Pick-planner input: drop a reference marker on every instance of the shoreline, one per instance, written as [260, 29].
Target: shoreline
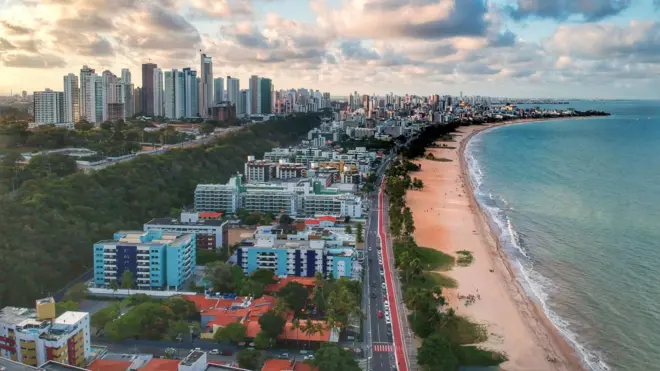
[516, 324]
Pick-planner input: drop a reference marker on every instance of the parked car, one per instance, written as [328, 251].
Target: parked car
[214, 351]
[380, 314]
[226, 352]
[284, 356]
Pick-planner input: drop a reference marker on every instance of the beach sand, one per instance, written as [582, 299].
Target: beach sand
[448, 219]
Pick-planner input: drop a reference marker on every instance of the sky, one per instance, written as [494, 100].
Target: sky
[508, 48]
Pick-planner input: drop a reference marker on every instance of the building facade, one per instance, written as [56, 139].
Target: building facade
[265, 87]
[205, 86]
[71, 98]
[218, 197]
[219, 90]
[148, 89]
[233, 91]
[49, 107]
[35, 336]
[87, 98]
[210, 231]
[156, 259]
[223, 111]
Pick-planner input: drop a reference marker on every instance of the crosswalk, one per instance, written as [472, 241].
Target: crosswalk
[383, 348]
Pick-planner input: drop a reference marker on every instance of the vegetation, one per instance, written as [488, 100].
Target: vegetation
[250, 359]
[359, 233]
[465, 258]
[430, 156]
[330, 357]
[49, 225]
[446, 337]
[233, 332]
[295, 295]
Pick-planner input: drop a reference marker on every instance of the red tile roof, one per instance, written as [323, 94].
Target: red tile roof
[327, 218]
[312, 221]
[276, 287]
[210, 214]
[108, 365]
[277, 365]
[299, 334]
[299, 366]
[157, 364]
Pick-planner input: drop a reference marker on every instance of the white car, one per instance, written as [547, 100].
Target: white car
[214, 351]
[387, 320]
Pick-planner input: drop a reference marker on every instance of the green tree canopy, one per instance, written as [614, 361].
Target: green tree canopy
[285, 219]
[147, 321]
[65, 306]
[127, 281]
[263, 340]
[436, 354]
[250, 359]
[272, 324]
[295, 295]
[224, 277]
[233, 332]
[77, 292]
[104, 316]
[264, 276]
[332, 358]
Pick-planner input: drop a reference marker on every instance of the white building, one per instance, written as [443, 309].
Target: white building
[158, 92]
[233, 91]
[71, 98]
[35, 336]
[210, 233]
[218, 197]
[218, 90]
[170, 94]
[87, 98]
[49, 107]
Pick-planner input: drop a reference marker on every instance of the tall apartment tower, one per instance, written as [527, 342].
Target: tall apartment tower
[205, 86]
[179, 94]
[137, 101]
[253, 86]
[71, 98]
[190, 93]
[174, 96]
[127, 93]
[148, 88]
[218, 90]
[265, 96]
[48, 107]
[233, 91]
[87, 97]
[158, 92]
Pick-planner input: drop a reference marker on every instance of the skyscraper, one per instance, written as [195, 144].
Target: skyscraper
[71, 98]
[99, 98]
[205, 86]
[87, 97]
[190, 93]
[266, 96]
[137, 101]
[179, 95]
[127, 92]
[158, 92]
[233, 91]
[170, 94]
[49, 107]
[242, 102]
[253, 86]
[218, 90]
[148, 88]
[109, 92]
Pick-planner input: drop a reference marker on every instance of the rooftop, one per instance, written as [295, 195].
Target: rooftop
[9, 365]
[192, 358]
[55, 366]
[109, 365]
[201, 222]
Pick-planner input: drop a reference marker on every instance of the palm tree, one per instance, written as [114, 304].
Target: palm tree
[295, 326]
[310, 329]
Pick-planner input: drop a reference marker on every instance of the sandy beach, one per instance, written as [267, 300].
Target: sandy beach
[447, 218]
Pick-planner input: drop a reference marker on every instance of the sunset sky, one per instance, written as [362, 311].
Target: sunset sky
[539, 48]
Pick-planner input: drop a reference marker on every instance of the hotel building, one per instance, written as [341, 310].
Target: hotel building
[35, 336]
[157, 259]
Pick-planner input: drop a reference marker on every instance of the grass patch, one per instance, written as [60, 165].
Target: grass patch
[434, 260]
[465, 258]
[430, 156]
[429, 280]
[470, 355]
[460, 330]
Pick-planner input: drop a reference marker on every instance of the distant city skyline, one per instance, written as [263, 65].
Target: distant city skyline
[550, 48]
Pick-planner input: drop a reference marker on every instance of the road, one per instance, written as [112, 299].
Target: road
[378, 334]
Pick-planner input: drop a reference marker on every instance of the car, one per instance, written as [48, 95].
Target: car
[283, 356]
[384, 285]
[226, 352]
[214, 351]
[380, 314]
[387, 320]
[309, 357]
[373, 295]
[198, 349]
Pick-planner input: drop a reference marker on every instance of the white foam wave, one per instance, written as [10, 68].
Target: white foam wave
[537, 286]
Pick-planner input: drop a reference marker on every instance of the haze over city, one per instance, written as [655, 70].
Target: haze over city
[549, 48]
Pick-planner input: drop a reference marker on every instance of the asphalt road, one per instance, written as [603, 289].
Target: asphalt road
[378, 336]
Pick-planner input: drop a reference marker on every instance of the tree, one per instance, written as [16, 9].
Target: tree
[332, 358]
[309, 328]
[136, 299]
[206, 128]
[264, 276]
[183, 329]
[223, 276]
[77, 292]
[250, 359]
[272, 324]
[148, 321]
[251, 287]
[127, 280]
[180, 308]
[296, 326]
[114, 285]
[285, 219]
[83, 125]
[65, 306]
[295, 295]
[233, 332]
[104, 316]
[408, 221]
[436, 354]
[359, 232]
[263, 340]
[348, 229]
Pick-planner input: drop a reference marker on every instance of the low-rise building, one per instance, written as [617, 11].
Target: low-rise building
[156, 259]
[35, 336]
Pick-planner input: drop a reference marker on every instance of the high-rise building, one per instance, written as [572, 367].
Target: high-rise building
[170, 94]
[148, 88]
[87, 98]
[126, 76]
[48, 107]
[218, 90]
[99, 99]
[71, 98]
[109, 92]
[195, 97]
[242, 102]
[158, 92]
[233, 92]
[266, 98]
[137, 101]
[190, 93]
[127, 92]
[205, 86]
[179, 95]
[253, 86]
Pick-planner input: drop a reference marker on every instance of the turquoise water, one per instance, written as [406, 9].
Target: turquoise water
[577, 206]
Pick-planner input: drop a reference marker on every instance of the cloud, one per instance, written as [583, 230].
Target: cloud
[588, 10]
[156, 28]
[220, 9]
[353, 49]
[22, 60]
[13, 29]
[424, 19]
[639, 40]
[87, 22]
[6, 45]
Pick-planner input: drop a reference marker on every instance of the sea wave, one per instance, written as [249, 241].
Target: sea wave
[537, 287]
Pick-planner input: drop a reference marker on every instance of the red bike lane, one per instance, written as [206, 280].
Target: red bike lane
[391, 293]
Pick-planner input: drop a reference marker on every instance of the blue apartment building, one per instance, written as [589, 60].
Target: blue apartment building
[158, 260]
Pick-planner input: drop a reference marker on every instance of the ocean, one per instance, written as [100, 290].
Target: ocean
[576, 204]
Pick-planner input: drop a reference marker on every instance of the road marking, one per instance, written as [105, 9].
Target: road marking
[383, 348]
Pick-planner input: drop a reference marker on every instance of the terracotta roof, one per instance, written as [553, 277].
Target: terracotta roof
[276, 287]
[277, 365]
[157, 364]
[299, 366]
[299, 334]
[108, 365]
[312, 221]
[221, 313]
[209, 214]
[327, 218]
